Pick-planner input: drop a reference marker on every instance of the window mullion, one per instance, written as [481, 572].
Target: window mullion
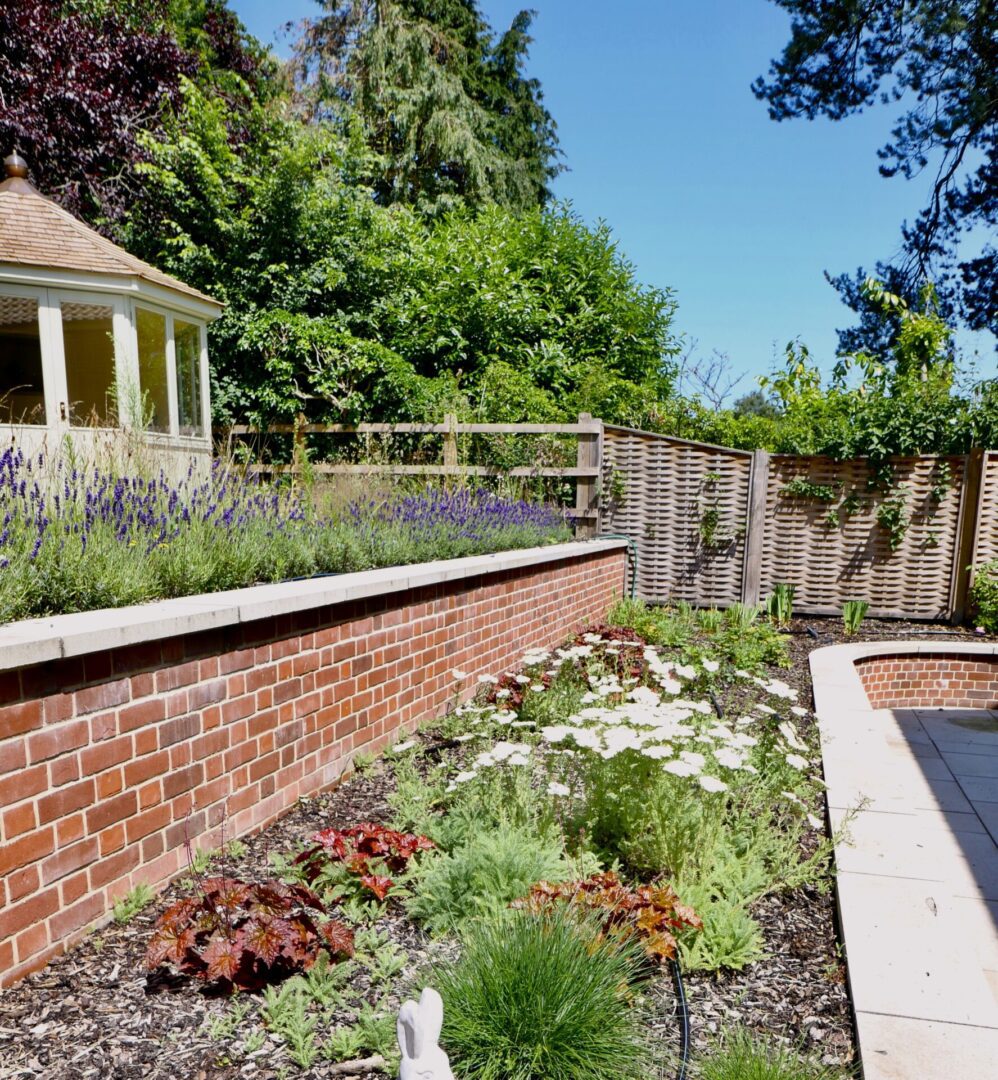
[171, 378]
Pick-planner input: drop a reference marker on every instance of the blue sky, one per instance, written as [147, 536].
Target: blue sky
[665, 141]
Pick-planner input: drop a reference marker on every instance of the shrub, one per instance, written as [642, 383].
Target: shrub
[984, 595]
[647, 914]
[359, 853]
[245, 935]
[483, 875]
[535, 998]
[76, 539]
[742, 1055]
[731, 938]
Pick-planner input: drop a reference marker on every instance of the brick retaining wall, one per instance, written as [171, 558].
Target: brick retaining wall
[110, 759]
[930, 679]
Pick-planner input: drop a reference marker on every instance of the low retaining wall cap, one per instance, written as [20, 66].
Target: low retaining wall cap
[34, 641]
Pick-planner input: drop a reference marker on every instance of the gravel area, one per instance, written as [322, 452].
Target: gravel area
[95, 1014]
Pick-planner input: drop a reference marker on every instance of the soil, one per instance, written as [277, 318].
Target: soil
[94, 1013]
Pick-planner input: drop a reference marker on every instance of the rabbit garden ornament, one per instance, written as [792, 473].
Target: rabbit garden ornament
[418, 1030]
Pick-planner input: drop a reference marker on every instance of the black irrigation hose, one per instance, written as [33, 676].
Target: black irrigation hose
[632, 545]
[684, 1020]
[717, 705]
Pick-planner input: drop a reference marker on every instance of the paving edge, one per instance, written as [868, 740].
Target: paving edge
[925, 1052]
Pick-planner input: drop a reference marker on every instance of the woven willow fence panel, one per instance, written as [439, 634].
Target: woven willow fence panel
[986, 545]
[685, 505]
[833, 548]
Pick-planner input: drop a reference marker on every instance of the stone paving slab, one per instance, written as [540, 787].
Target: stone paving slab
[900, 1048]
[913, 801]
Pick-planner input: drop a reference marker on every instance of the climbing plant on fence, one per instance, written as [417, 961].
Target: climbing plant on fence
[715, 525]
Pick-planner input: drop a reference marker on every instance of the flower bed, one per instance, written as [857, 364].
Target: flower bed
[78, 539]
[669, 752]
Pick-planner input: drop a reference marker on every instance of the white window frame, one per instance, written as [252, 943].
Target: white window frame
[173, 425]
[126, 363]
[173, 399]
[53, 381]
[202, 379]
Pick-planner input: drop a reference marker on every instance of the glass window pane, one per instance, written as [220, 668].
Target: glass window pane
[187, 338]
[22, 397]
[151, 330]
[88, 341]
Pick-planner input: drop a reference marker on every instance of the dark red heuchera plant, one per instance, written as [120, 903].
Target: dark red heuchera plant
[649, 913]
[245, 935]
[364, 850]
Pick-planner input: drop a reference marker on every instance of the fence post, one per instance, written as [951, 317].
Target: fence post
[450, 440]
[587, 487]
[755, 527]
[298, 449]
[970, 507]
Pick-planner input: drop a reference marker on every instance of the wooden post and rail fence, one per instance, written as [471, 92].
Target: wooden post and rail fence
[716, 526]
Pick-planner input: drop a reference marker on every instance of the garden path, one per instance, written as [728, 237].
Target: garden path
[917, 874]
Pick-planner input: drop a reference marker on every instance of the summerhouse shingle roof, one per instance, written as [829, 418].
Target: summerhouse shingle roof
[34, 231]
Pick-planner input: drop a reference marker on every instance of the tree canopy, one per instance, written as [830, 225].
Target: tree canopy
[346, 309]
[445, 104]
[936, 61]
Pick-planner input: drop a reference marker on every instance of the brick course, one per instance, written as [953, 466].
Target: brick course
[929, 680]
[109, 762]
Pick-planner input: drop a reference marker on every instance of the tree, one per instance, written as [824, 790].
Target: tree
[446, 107]
[756, 403]
[940, 58]
[76, 89]
[82, 81]
[349, 310]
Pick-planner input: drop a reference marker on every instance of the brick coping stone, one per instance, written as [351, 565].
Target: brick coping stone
[34, 641]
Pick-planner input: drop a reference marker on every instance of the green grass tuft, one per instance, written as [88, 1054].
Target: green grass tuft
[743, 1055]
[543, 999]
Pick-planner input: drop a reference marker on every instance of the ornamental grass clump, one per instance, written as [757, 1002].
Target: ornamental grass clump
[545, 998]
[75, 538]
[743, 1055]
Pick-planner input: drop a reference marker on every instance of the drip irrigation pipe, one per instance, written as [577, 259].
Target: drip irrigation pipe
[632, 545]
[717, 705]
[684, 1020]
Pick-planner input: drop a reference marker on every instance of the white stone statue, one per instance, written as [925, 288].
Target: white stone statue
[418, 1031]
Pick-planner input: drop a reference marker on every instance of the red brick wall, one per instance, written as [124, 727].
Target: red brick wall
[108, 761]
[930, 679]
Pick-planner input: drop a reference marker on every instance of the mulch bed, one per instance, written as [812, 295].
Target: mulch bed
[95, 1014]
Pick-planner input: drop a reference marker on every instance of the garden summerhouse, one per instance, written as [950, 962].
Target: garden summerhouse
[91, 338]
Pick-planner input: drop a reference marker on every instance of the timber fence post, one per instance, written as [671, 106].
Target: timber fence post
[755, 528]
[966, 536]
[450, 441]
[587, 487]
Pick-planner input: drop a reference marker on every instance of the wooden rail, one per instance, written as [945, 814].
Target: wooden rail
[586, 471]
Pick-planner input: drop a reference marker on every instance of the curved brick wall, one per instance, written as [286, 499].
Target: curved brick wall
[112, 753]
[930, 679]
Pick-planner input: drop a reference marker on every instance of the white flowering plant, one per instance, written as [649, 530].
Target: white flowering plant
[657, 761]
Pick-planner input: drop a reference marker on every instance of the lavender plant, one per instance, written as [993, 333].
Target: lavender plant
[75, 539]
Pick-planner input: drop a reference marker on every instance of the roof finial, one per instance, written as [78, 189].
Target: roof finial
[15, 165]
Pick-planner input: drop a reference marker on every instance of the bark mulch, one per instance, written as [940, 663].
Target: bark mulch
[95, 1014]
